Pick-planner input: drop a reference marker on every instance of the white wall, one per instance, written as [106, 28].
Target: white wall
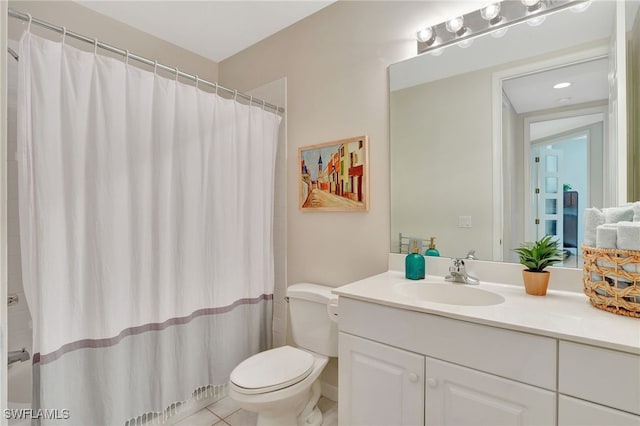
[336, 64]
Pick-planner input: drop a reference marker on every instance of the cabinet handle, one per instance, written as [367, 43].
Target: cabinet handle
[433, 383]
[413, 377]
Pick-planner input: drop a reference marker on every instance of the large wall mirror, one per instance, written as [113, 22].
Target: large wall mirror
[487, 154]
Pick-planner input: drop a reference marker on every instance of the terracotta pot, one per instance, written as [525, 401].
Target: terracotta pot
[536, 283]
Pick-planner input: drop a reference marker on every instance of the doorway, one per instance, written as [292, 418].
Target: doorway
[566, 174]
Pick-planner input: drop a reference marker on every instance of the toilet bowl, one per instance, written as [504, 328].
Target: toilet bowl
[281, 385]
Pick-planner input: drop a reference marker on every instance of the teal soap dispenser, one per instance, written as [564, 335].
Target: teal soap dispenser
[414, 264]
[432, 250]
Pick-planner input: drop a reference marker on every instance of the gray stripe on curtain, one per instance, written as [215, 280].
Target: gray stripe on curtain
[103, 343]
[84, 384]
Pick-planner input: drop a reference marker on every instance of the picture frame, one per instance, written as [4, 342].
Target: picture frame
[334, 176]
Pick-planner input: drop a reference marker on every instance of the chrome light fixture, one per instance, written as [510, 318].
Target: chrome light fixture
[494, 18]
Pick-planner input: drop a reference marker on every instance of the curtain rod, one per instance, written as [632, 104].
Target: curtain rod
[125, 53]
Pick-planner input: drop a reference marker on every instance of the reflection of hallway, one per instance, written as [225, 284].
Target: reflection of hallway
[319, 198]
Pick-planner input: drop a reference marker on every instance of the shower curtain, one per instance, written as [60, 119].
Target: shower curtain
[146, 233]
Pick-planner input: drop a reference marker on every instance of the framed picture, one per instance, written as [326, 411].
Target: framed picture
[334, 176]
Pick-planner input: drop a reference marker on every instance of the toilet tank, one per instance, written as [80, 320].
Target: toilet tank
[311, 325]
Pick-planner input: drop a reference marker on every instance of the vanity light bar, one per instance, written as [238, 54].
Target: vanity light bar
[474, 24]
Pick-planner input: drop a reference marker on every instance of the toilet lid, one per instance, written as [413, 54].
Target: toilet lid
[272, 370]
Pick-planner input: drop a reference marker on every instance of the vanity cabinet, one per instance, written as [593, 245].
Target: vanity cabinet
[399, 366]
[379, 384]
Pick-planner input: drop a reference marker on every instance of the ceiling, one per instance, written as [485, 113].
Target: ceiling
[534, 92]
[213, 29]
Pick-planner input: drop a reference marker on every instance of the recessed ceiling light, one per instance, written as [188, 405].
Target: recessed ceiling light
[562, 85]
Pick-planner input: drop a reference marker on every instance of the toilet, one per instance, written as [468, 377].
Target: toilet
[281, 385]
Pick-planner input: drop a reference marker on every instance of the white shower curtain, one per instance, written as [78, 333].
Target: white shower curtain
[146, 231]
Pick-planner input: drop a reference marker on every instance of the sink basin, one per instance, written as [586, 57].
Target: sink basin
[449, 294]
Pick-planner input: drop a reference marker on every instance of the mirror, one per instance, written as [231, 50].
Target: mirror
[467, 125]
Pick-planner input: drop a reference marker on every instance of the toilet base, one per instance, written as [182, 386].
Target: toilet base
[308, 415]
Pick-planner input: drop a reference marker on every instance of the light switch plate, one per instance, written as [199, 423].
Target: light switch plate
[464, 221]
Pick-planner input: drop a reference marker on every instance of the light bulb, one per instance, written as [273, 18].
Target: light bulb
[562, 85]
[425, 35]
[490, 12]
[454, 25]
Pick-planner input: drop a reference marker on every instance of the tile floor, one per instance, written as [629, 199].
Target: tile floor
[225, 412]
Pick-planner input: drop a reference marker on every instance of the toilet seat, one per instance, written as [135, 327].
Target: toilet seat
[272, 370]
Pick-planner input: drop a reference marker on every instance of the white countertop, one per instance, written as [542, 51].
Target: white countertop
[560, 314]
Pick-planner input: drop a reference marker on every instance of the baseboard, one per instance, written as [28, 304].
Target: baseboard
[329, 391]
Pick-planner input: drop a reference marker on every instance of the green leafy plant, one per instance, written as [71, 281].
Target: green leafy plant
[536, 256]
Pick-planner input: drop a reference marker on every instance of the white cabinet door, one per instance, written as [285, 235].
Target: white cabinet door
[461, 396]
[379, 384]
[576, 412]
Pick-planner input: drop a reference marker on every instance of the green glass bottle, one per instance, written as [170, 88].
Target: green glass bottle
[432, 250]
[414, 264]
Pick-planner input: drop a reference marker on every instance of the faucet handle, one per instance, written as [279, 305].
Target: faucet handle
[458, 264]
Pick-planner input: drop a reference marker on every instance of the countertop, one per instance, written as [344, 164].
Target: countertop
[559, 314]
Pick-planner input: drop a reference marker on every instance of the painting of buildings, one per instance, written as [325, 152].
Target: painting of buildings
[333, 176]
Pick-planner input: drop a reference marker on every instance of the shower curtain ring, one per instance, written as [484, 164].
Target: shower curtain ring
[155, 67]
[250, 100]
[197, 81]
[216, 85]
[64, 34]
[126, 57]
[95, 46]
[29, 25]
[177, 73]
[263, 104]
[235, 94]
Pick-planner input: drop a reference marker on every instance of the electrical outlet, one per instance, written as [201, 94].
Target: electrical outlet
[464, 221]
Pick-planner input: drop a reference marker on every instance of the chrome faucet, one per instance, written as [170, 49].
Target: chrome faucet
[16, 356]
[458, 273]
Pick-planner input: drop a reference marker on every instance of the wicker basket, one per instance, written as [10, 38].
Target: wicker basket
[611, 279]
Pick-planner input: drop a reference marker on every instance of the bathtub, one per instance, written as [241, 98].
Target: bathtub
[19, 389]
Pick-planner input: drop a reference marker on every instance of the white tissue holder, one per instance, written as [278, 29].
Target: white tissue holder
[611, 279]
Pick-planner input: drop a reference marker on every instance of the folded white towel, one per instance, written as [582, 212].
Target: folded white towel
[636, 211]
[592, 218]
[607, 235]
[618, 214]
[629, 235]
[629, 239]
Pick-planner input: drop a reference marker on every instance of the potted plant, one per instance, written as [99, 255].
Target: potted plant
[536, 257]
